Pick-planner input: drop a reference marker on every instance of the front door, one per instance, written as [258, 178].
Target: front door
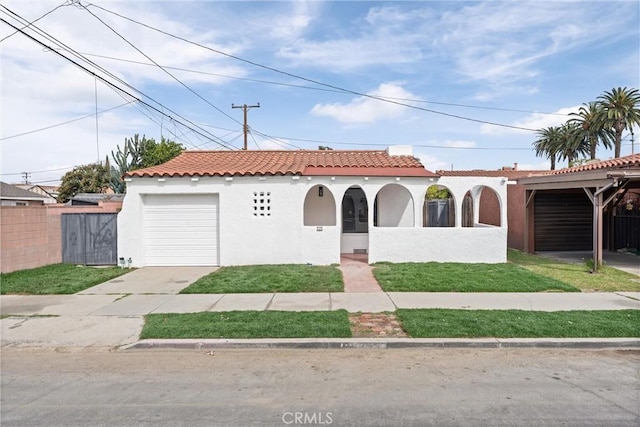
[355, 222]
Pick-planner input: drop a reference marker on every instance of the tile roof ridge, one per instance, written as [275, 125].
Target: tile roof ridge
[599, 164]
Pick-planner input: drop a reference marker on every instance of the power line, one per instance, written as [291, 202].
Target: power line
[275, 70]
[64, 47]
[423, 101]
[317, 141]
[34, 172]
[98, 67]
[63, 123]
[276, 140]
[155, 63]
[66, 3]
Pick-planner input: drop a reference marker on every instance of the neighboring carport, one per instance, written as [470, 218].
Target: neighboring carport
[574, 208]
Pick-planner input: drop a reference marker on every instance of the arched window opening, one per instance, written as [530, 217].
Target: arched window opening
[319, 207]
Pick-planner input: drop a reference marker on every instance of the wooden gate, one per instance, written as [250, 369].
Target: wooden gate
[90, 238]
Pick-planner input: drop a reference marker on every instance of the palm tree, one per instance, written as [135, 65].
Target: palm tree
[571, 144]
[620, 110]
[548, 144]
[589, 128]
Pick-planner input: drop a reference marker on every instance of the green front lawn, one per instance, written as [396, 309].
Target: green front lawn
[248, 324]
[457, 277]
[607, 279]
[56, 279]
[269, 278]
[445, 323]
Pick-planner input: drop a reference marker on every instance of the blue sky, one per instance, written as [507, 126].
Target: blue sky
[316, 69]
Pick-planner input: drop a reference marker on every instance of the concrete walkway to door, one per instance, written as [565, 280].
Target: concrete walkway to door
[357, 274]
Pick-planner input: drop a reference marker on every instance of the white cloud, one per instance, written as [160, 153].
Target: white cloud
[432, 163]
[277, 145]
[367, 110]
[504, 43]
[532, 121]
[543, 165]
[386, 36]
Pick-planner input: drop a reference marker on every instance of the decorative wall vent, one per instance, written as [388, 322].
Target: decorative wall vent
[262, 203]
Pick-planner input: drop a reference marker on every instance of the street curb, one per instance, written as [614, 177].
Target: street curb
[384, 343]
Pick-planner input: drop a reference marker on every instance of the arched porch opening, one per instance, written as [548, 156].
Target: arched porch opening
[393, 207]
[467, 210]
[355, 222]
[489, 209]
[439, 208]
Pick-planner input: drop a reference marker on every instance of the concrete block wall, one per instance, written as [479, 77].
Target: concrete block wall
[27, 236]
[31, 236]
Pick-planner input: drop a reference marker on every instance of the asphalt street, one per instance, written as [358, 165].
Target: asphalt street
[352, 387]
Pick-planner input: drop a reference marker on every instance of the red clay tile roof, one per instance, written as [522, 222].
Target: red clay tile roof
[303, 162]
[619, 163]
[510, 174]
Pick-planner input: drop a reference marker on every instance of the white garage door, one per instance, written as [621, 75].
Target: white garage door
[181, 229]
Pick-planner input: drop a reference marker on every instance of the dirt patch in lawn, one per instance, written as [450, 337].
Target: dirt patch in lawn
[375, 325]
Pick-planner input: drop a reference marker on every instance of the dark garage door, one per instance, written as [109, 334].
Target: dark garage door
[563, 221]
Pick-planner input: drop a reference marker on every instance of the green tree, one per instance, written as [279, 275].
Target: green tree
[435, 192]
[590, 129]
[154, 153]
[571, 143]
[91, 178]
[619, 111]
[137, 153]
[548, 144]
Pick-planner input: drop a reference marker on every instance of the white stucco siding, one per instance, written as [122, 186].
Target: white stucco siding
[244, 238]
[446, 244]
[261, 220]
[275, 238]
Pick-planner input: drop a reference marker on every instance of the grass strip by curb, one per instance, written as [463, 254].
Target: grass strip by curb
[248, 324]
[269, 278]
[458, 277]
[447, 323]
[56, 279]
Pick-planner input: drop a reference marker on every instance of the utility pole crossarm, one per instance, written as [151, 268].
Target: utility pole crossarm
[245, 108]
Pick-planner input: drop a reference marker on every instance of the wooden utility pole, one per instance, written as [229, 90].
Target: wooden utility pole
[245, 108]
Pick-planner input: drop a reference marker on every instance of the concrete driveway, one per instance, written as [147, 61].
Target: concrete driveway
[622, 261]
[93, 319]
[151, 280]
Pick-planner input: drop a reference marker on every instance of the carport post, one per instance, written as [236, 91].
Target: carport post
[596, 201]
[597, 232]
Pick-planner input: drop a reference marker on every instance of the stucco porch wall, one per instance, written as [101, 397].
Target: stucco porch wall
[480, 244]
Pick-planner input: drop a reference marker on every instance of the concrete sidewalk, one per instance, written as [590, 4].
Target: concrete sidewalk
[111, 321]
[142, 304]
[111, 315]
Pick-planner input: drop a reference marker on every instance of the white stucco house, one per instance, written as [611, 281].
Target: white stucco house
[285, 207]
